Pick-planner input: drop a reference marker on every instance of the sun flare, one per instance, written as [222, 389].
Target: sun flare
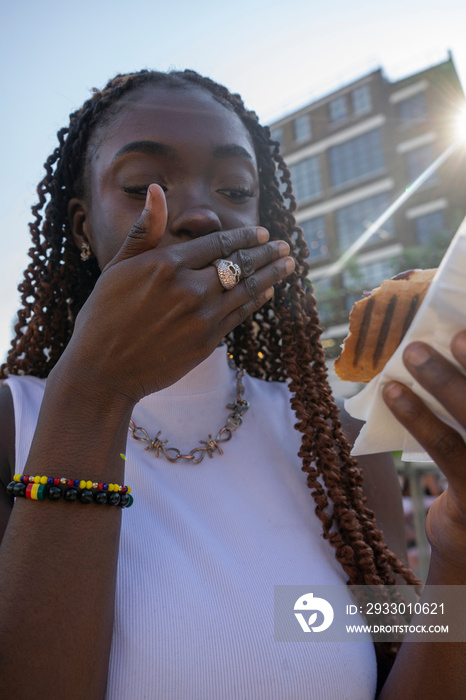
[461, 125]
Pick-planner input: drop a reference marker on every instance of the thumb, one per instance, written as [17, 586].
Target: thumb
[147, 231]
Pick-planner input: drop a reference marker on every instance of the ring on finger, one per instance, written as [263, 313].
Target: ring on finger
[228, 272]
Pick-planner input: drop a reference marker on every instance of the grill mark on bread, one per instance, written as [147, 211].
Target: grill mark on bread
[364, 341]
[366, 320]
[409, 316]
[384, 330]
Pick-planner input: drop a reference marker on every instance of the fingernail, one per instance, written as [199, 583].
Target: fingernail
[262, 235]
[392, 391]
[289, 265]
[148, 204]
[417, 354]
[269, 293]
[459, 345]
[283, 248]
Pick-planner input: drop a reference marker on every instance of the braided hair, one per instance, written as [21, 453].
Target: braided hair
[279, 342]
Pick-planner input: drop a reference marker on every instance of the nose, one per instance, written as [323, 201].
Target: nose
[195, 222]
[192, 216]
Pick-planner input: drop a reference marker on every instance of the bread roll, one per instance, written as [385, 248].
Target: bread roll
[378, 324]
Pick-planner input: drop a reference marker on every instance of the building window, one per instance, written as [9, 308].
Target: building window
[429, 225]
[302, 128]
[417, 160]
[338, 110]
[361, 97]
[413, 110]
[306, 179]
[356, 158]
[277, 135]
[353, 220]
[327, 298]
[367, 277]
[315, 236]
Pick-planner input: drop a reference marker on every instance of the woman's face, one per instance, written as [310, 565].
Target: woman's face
[185, 141]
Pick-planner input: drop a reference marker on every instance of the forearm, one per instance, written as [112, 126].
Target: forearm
[59, 559]
[436, 670]
[431, 670]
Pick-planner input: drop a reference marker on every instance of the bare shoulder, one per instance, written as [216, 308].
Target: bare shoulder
[7, 453]
[381, 487]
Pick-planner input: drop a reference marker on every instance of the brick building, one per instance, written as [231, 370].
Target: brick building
[351, 154]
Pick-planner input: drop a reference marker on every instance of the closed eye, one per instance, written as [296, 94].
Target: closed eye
[237, 194]
[140, 190]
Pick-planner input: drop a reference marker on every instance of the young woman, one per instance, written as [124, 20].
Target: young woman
[160, 234]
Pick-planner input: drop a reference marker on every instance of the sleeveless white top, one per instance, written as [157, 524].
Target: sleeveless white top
[203, 546]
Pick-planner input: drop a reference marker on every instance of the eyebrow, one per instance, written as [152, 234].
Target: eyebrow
[151, 148]
[156, 148]
[231, 150]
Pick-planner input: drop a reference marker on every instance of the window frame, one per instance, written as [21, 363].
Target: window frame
[300, 177]
[337, 115]
[367, 101]
[302, 129]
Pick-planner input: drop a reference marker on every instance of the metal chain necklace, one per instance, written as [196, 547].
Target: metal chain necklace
[233, 422]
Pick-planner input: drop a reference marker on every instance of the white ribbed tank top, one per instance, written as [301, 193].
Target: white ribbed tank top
[204, 545]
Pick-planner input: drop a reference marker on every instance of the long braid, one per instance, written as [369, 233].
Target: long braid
[280, 342]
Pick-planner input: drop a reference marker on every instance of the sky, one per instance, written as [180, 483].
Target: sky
[277, 55]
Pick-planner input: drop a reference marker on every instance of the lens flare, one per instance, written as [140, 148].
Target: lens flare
[461, 125]
[336, 267]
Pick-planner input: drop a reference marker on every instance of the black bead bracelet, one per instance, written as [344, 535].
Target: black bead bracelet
[39, 492]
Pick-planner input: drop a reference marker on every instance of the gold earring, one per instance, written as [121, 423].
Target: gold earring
[85, 251]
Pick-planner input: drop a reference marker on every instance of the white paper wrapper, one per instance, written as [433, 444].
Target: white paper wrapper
[441, 315]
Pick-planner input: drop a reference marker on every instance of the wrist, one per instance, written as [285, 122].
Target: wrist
[445, 571]
[446, 532]
[84, 387]
[81, 430]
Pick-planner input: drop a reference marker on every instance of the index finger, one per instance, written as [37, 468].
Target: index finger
[201, 251]
[445, 446]
[438, 376]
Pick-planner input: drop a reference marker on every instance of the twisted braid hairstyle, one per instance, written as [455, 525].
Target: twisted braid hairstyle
[279, 342]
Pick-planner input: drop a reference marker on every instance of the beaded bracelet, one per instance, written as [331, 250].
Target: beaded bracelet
[38, 488]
